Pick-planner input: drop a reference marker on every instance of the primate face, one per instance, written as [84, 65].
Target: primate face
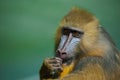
[68, 43]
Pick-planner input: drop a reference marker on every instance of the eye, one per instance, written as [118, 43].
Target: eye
[66, 31]
[76, 34]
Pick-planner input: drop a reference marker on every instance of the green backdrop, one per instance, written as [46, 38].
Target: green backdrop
[27, 29]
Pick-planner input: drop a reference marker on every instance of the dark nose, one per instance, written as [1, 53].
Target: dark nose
[61, 53]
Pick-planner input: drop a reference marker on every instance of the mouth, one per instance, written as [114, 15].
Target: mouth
[65, 60]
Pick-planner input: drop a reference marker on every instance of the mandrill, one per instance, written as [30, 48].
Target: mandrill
[83, 51]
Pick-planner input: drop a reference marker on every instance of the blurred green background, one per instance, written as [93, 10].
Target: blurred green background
[27, 29]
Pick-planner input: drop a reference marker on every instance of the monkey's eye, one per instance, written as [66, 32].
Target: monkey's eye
[76, 34]
[66, 31]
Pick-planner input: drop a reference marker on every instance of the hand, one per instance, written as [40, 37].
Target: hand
[52, 67]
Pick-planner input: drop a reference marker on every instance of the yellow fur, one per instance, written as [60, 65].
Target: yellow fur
[66, 70]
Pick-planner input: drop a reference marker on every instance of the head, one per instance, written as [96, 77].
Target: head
[76, 34]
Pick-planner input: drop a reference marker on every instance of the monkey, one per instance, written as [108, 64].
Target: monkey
[83, 50]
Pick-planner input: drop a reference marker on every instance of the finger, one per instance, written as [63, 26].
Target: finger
[57, 68]
[54, 62]
[55, 58]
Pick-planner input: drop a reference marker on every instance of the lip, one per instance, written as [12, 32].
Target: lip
[63, 57]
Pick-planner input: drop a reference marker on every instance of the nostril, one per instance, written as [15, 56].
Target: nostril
[61, 54]
[58, 52]
[64, 53]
